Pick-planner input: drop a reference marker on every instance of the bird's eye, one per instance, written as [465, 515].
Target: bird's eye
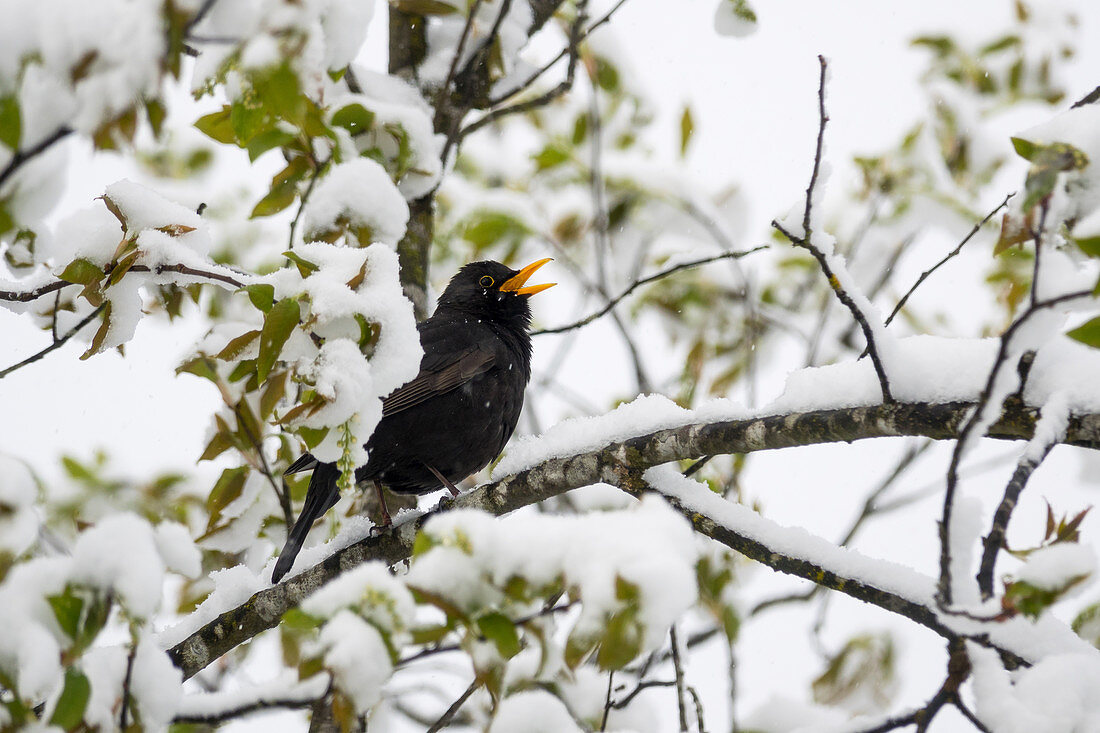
[486, 281]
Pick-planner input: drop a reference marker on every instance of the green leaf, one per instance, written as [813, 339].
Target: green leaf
[312, 436]
[262, 295]
[942, 45]
[485, 228]
[273, 393]
[296, 619]
[69, 711]
[155, 112]
[424, 7]
[101, 335]
[305, 267]
[278, 198]
[1087, 333]
[1087, 624]
[248, 119]
[228, 487]
[551, 156]
[217, 125]
[281, 93]
[1089, 245]
[687, 128]
[499, 629]
[355, 118]
[11, 123]
[278, 325]
[235, 346]
[1001, 44]
[67, 609]
[622, 642]
[264, 141]
[1025, 148]
[82, 272]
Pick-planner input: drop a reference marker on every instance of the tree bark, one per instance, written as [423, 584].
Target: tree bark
[621, 463]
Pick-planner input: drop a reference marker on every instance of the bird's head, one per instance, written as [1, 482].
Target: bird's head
[493, 291]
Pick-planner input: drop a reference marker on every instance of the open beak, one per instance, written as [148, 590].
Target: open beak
[515, 284]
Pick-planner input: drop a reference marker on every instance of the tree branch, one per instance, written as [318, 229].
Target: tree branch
[58, 342]
[645, 281]
[805, 240]
[22, 156]
[953, 253]
[973, 421]
[558, 475]
[994, 541]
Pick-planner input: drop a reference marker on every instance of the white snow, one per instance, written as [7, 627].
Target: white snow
[1055, 695]
[357, 657]
[18, 520]
[649, 545]
[372, 592]
[577, 435]
[232, 587]
[156, 684]
[144, 208]
[532, 711]
[284, 687]
[397, 104]
[175, 546]
[731, 18]
[358, 193]
[1056, 566]
[119, 555]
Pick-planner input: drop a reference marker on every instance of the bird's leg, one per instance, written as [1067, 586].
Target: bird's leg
[443, 480]
[386, 521]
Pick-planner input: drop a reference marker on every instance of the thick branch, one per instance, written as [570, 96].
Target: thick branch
[558, 475]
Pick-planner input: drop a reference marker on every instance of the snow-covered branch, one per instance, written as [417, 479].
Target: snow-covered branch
[621, 463]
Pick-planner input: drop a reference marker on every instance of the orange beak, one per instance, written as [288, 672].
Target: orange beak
[515, 284]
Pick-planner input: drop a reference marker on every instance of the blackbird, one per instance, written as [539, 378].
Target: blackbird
[456, 415]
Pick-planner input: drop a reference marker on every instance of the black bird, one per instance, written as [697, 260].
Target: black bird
[459, 411]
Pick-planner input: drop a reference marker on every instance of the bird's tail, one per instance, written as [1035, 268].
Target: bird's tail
[320, 497]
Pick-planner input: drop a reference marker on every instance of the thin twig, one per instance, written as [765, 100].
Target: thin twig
[57, 343]
[642, 686]
[449, 714]
[679, 670]
[698, 703]
[289, 703]
[645, 281]
[844, 297]
[198, 16]
[607, 700]
[823, 119]
[318, 167]
[994, 541]
[870, 508]
[22, 156]
[1090, 98]
[953, 253]
[1037, 235]
[29, 295]
[545, 98]
[944, 592]
[126, 681]
[562, 54]
[805, 241]
[441, 96]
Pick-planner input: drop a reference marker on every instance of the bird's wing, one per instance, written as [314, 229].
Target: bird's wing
[438, 376]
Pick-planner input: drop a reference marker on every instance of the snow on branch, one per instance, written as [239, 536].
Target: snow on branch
[832, 265]
[621, 463]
